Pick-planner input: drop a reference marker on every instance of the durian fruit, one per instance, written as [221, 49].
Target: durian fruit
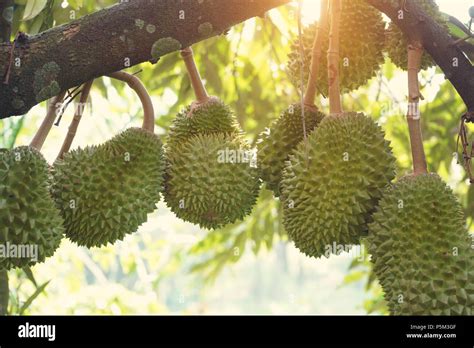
[362, 33]
[105, 192]
[421, 249]
[210, 181]
[28, 216]
[213, 116]
[210, 178]
[396, 42]
[331, 186]
[276, 144]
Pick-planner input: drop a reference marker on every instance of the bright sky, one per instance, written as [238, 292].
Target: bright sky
[456, 8]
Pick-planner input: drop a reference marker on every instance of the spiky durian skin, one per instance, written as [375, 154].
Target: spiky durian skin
[276, 144]
[330, 188]
[105, 192]
[362, 36]
[421, 249]
[212, 117]
[396, 42]
[28, 215]
[203, 188]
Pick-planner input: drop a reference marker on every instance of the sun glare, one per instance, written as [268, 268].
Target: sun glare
[311, 11]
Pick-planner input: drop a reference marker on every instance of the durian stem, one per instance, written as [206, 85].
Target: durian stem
[47, 124]
[134, 83]
[199, 90]
[311, 88]
[335, 105]
[86, 88]
[415, 52]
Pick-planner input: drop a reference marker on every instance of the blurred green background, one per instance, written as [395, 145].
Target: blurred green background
[173, 267]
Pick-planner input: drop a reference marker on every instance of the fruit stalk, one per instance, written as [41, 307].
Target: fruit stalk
[47, 123]
[134, 83]
[335, 106]
[311, 88]
[86, 88]
[199, 90]
[415, 52]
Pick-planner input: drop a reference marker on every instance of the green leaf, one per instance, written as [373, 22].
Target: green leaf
[4, 293]
[33, 8]
[76, 4]
[29, 275]
[30, 300]
[37, 24]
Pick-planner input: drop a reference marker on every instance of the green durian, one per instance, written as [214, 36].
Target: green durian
[204, 187]
[396, 42]
[362, 32]
[276, 144]
[330, 188]
[28, 216]
[421, 249]
[214, 116]
[105, 192]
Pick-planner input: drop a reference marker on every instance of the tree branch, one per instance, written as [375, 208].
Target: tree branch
[418, 26]
[106, 41]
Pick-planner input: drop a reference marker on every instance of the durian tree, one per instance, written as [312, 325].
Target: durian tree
[321, 198]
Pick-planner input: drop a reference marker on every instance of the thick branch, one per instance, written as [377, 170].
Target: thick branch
[419, 26]
[108, 40]
[4, 292]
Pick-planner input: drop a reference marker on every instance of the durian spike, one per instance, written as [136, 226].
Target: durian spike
[415, 52]
[199, 90]
[134, 83]
[335, 106]
[86, 88]
[311, 88]
[47, 124]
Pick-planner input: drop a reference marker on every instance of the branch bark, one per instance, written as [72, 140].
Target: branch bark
[107, 40]
[418, 26]
[4, 292]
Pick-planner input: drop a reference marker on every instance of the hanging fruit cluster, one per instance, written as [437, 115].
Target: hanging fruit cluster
[333, 174]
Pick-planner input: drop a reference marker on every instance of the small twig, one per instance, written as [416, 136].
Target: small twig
[134, 83]
[76, 120]
[68, 100]
[137, 72]
[335, 105]
[47, 123]
[6, 81]
[461, 40]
